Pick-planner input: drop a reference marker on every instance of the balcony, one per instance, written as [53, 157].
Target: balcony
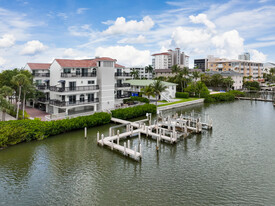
[42, 87]
[59, 103]
[44, 100]
[69, 75]
[122, 96]
[122, 85]
[41, 74]
[121, 74]
[74, 89]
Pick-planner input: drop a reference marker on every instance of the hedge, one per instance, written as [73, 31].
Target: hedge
[219, 97]
[138, 99]
[237, 93]
[13, 132]
[133, 112]
[182, 95]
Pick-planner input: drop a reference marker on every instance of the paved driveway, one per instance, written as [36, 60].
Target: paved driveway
[36, 113]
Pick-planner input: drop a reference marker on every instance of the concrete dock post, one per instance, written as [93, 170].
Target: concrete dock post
[157, 147]
[132, 129]
[128, 144]
[97, 136]
[135, 152]
[147, 131]
[139, 135]
[117, 137]
[110, 131]
[102, 139]
[124, 151]
[85, 132]
[140, 150]
[112, 145]
[171, 137]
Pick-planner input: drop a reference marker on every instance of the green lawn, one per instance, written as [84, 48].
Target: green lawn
[180, 101]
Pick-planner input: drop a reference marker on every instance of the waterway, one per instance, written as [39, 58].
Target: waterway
[234, 164]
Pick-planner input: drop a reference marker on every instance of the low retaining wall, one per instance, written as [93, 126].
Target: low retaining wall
[180, 104]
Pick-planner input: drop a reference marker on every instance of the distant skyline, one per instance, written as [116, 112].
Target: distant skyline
[130, 31]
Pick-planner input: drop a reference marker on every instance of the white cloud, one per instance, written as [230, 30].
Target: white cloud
[228, 44]
[121, 26]
[7, 40]
[202, 19]
[2, 61]
[63, 15]
[33, 47]
[257, 56]
[136, 40]
[81, 10]
[69, 53]
[126, 55]
[188, 38]
[84, 30]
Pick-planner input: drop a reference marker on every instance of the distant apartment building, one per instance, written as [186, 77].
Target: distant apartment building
[236, 77]
[142, 72]
[201, 64]
[77, 86]
[268, 66]
[163, 62]
[244, 56]
[244, 67]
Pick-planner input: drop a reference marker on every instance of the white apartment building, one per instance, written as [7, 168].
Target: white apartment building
[163, 62]
[236, 77]
[77, 86]
[41, 77]
[142, 72]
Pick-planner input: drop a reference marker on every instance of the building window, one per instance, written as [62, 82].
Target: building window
[67, 71]
[82, 98]
[91, 82]
[77, 71]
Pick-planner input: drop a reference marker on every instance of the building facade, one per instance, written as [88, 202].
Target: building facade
[236, 77]
[244, 56]
[142, 72]
[78, 86]
[165, 60]
[244, 67]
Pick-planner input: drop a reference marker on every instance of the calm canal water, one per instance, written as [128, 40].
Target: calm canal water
[234, 164]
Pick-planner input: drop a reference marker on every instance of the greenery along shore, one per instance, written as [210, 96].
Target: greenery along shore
[17, 131]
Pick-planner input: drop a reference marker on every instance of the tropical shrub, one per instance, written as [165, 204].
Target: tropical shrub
[221, 97]
[138, 99]
[236, 93]
[182, 95]
[133, 112]
[13, 132]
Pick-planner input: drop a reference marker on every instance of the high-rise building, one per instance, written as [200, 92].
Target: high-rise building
[244, 56]
[163, 62]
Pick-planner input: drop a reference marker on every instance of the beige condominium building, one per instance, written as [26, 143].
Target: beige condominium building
[244, 67]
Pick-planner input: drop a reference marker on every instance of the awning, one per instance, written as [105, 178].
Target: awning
[61, 81]
[47, 80]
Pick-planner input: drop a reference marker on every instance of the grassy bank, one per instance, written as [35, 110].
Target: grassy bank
[181, 100]
[17, 131]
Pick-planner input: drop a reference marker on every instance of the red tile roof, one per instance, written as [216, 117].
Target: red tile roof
[84, 63]
[34, 66]
[119, 66]
[105, 59]
[164, 53]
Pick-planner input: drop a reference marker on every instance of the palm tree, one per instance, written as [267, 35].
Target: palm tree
[228, 82]
[4, 104]
[158, 88]
[196, 75]
[27, 88]
[19, 80]
[6, 91]
[176, 68]
[148, 91]
[134, 73]
[272, 71]
[149, 69]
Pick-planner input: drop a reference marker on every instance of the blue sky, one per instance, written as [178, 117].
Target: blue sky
[130, 31]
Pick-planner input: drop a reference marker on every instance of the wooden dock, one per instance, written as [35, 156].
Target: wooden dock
[255, 99]
[168, 129]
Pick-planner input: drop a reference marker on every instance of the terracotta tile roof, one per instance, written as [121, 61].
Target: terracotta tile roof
[164, 53]
[119, 66]
[34, 66]
[85, 63]
[105, 59]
